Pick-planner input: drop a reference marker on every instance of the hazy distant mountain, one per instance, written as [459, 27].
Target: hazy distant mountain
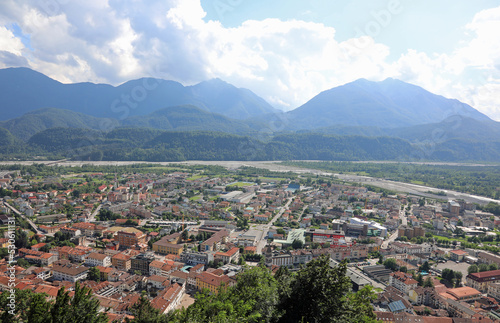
[24, 90]
[179, 118]
[387, 104]
[188, 118]
[223, 98]
[35, 121]
[456, 127]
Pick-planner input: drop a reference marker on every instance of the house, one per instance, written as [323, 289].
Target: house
[231, 255]
[158, 282]
[37, 246]
[166, 248]
[214, 242]
[130, 239]
[73, 232]
[458, 255]
[70, 272]
[206, 280]
[155, 267]
[168, 299]
[121, 261]
[98, 259]
[105, 272]
[402, 281]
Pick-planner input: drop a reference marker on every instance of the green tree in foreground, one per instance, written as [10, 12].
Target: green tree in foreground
[318, 292]
[143, 311]
[33, 307]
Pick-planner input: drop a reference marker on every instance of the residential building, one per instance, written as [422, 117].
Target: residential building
[480, 281]
[69, 272]
[195, 258]
[231, 255]
[141, 262]
[402, 281]
[121, 261]
[130, 239]
[214, 242]
[212, 282]
[167, 248]
[458, 255]
[98, 259]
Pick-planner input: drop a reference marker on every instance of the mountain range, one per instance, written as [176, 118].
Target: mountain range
[37, 110]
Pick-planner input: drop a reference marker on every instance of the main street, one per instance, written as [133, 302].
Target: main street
[264, 228]
[33, 225]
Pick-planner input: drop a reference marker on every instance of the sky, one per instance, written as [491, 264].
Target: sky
[286, 51]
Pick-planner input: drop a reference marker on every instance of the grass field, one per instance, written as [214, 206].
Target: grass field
[241, 184]
[195, 177]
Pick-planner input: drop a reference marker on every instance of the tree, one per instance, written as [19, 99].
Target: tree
[81, 308]
[493, 267]
[23, 263]
[473, 269]
[94, 274]
[425, 267]
[185, 235]
[403, 269]
[310, 296]
[391, 264]
[458, 278]
[448, 274]
[428, 282]
[420, 280]
[483, 267]
[297, 244]
[143, 311]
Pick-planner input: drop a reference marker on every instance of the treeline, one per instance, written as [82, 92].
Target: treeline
[478, 180]
[144, 144]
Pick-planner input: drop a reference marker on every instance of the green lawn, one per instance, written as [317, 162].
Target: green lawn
[195, 198]
[195, 177]
[241, 184]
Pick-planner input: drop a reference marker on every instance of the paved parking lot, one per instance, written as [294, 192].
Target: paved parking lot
[462, 266]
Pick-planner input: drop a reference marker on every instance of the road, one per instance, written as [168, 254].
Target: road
[92, 216]
[33, 225]
[264, 228]
[394, 235]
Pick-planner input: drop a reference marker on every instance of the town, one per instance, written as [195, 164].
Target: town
[171, 232]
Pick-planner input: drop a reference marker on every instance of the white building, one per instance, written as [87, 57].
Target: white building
[70, 272]
[371, 225]
[98, 259]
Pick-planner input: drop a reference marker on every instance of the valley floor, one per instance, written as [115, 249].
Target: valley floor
[414, 189]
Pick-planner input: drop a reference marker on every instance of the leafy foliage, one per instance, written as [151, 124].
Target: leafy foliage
[33, 307]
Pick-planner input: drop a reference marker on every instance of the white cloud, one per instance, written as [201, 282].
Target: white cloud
[9, 42]
[286, 62]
